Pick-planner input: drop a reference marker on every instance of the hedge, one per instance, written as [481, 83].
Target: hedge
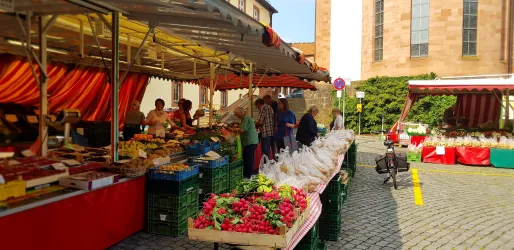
[385, 96]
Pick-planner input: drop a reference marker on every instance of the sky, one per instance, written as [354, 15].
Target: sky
[295, 20]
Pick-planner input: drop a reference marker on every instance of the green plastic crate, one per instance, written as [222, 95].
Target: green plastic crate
[171, 201]
[312, 236]
[213, 173]
[502, 158]
[173, 187]
[307, 246]
[172, 215]
[330, 226]
[167, 228]
[235, 164]
[413, 157]
[216, 186]
[322, 246]
[234, 181]
[334, 186]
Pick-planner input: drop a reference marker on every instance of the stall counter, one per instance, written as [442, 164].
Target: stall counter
[79, 219]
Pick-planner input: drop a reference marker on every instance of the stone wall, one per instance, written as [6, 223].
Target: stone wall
[445, 40]
[322, 98]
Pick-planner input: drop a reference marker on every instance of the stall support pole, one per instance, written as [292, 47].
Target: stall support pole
[115, 85]
[43, 87]
[250, 91]
[211, 92]
[344, 107]
[507, 107]
[360, 101]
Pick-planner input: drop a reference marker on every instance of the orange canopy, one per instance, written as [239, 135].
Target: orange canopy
[233, 81]
[83, 88]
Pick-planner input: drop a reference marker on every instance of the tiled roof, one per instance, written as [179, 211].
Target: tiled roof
[307, 48]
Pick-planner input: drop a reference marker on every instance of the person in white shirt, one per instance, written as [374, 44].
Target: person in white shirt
[156, 119]
[337, 124]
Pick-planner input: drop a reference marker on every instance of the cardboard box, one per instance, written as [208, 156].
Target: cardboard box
[89, 180]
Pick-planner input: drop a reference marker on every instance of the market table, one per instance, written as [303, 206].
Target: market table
[430, 155]
[77, 219]
[473, 156]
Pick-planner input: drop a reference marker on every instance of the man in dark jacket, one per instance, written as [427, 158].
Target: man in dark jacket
[308, 128]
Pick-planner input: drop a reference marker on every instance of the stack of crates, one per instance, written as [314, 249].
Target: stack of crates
[311, 240]
[170, 204]
[214, 175]
[332, 200]
[350, 159]
[236, 173]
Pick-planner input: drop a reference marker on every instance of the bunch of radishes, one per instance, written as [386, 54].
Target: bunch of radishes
[258, 213]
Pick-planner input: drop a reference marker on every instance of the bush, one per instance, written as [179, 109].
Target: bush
[385, 96]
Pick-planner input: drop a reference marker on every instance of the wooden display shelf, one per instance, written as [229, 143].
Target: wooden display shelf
[249, 240]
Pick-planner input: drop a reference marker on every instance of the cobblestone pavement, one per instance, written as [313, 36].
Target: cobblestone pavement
[464, 208]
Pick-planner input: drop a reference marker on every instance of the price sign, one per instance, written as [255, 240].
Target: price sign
[439, 150]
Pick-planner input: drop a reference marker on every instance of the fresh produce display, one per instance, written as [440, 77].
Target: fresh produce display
[29, 172]
[205, 135]
[259, 213]
[259, 184]
[139, 163]
[229, 149]
[169, 168]
[142, 137]
[469, 141]
[90, 176]
[420, 130]
[310, 166]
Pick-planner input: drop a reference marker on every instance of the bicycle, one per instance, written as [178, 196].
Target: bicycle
[389, 163]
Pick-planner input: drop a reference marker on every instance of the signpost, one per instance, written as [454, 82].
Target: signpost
[339, 85]
[360, 95]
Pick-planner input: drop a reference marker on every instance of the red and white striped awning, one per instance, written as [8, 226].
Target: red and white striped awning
[442, 87]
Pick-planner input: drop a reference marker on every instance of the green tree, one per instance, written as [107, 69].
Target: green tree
[385, 97]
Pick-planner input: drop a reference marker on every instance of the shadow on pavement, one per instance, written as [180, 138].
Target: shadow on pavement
[370, 220]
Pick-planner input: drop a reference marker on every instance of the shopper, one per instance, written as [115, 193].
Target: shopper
[266, 125]
[274, 106]
[285, 124]
[249, 140]
[184, 116]
[337, 123]
[156, 119]
[134, 120]
[308, 128]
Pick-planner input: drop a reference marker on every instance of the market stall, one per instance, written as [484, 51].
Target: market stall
[81, 76]
[293, 194]
[476, 128]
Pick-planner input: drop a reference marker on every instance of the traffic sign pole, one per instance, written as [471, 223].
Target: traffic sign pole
[344, 107]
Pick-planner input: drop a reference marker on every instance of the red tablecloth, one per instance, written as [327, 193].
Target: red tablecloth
[94, 220]
[417, 139]
[429, 156]
[473, 156]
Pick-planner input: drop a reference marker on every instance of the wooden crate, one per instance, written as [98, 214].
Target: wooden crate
[249, 239]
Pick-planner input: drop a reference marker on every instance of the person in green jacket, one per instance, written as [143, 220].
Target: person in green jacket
[249, 140]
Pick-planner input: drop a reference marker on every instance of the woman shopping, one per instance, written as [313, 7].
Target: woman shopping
[134, 119]
[183, 115]
[286, 121]
[156, 119]
[308, 128]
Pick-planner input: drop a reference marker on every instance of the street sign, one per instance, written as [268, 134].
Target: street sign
[359, 108]
[339, 83]
[347, 81]
[360, 94]
[339, 94]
